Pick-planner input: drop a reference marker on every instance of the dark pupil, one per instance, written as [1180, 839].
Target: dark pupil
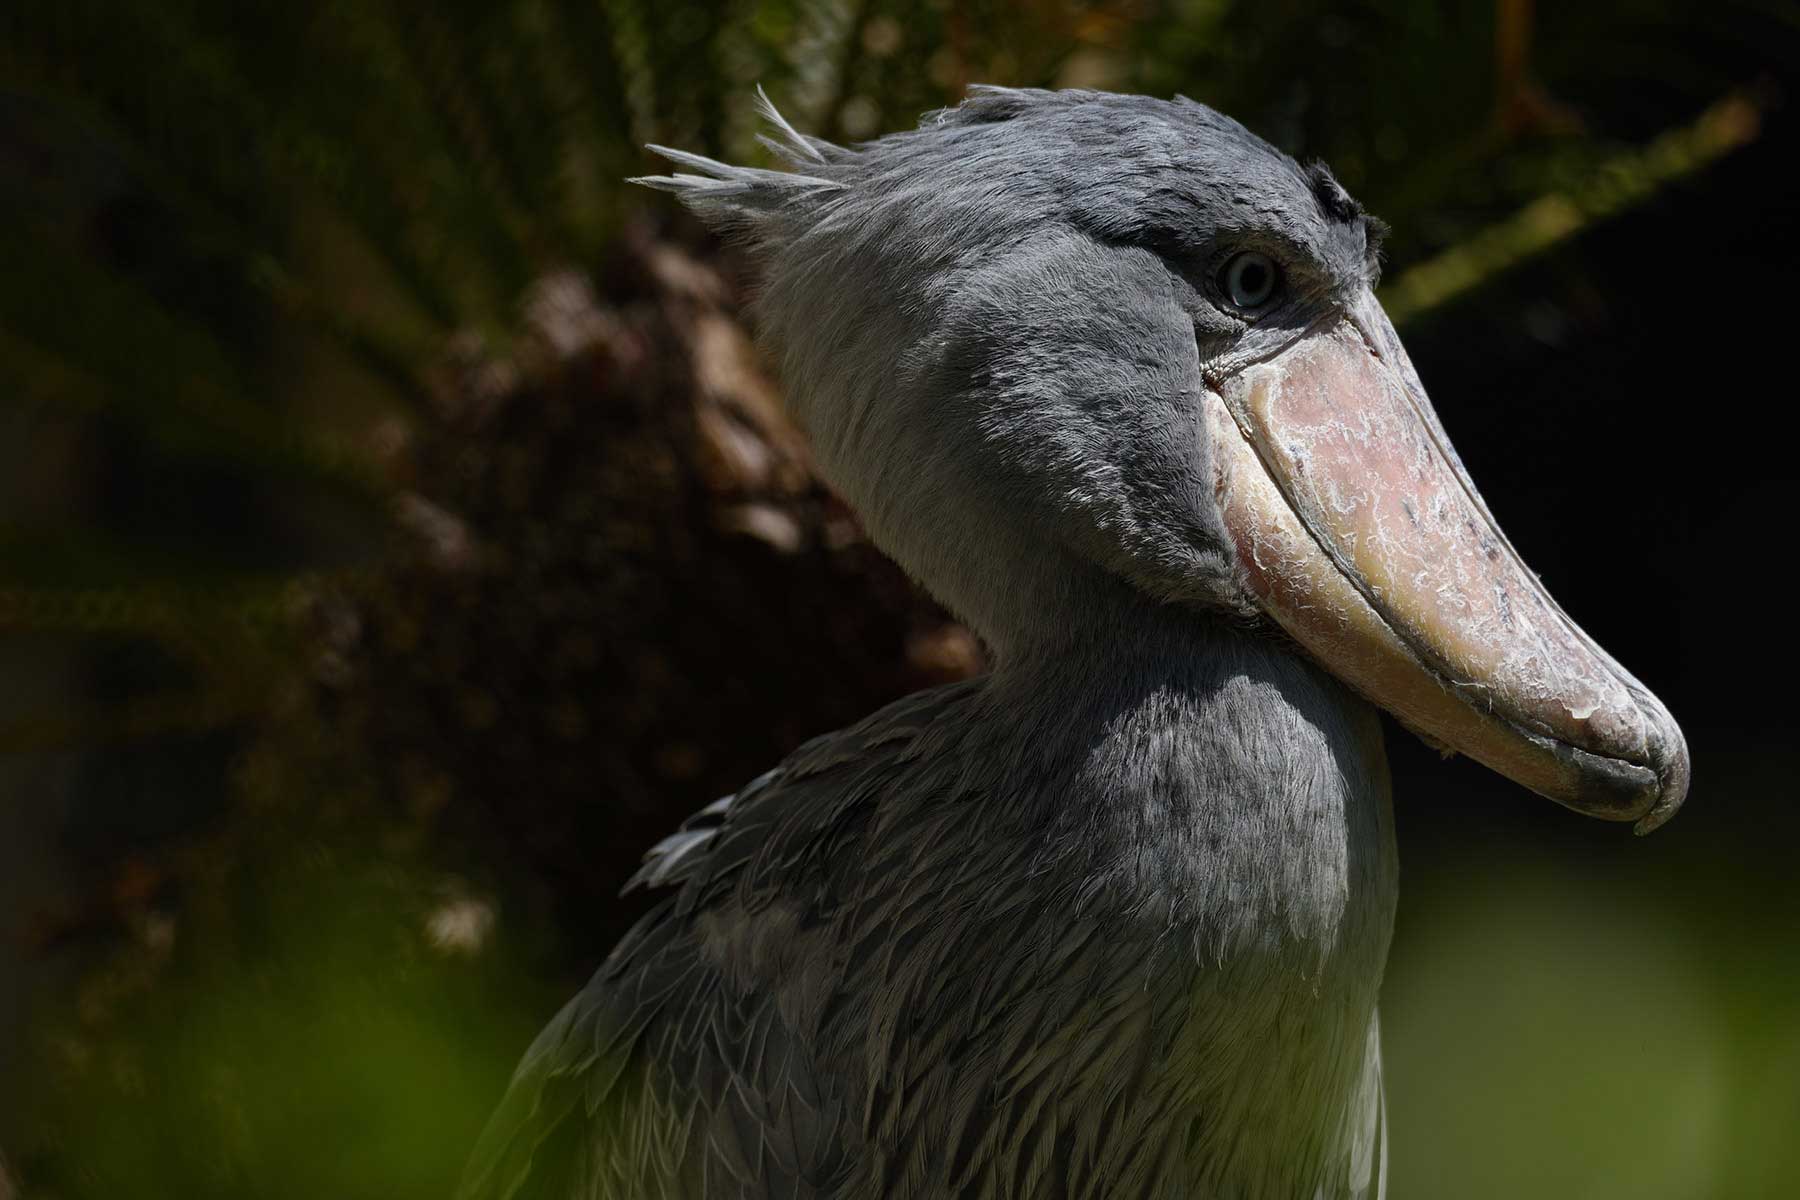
[1252, 277]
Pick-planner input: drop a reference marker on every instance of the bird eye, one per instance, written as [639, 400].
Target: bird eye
[1249, 279]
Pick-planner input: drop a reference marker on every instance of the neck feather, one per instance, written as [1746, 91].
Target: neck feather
[1207, 767]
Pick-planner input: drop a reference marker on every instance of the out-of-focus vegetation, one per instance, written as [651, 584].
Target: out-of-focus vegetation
[397, 534]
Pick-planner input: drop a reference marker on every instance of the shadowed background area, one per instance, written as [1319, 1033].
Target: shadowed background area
[398, 533]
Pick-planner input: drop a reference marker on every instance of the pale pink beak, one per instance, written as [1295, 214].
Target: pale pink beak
[1361, 535]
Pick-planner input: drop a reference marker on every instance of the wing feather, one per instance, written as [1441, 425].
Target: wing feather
[679, 1065]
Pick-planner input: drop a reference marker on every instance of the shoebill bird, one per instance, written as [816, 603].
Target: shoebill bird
[1107, 375]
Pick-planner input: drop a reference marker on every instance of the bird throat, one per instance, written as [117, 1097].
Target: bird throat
[1222, 810]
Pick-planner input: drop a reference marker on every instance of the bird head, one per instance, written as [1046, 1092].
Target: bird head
[1052, 344]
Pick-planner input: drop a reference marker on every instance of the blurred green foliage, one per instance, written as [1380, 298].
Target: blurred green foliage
[258, 267]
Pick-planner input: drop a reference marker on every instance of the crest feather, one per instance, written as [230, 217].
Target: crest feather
[790, 145]
[753, 200]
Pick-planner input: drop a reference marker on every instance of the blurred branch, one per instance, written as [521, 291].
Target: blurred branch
[166, 610]
[843, 80]
[1522, 104]
[387, 357]
[821, 48]
[1616, 185]
[144, 719]
[190, 412]
[631, 50]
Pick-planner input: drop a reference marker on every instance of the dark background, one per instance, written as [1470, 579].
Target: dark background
[397, 535]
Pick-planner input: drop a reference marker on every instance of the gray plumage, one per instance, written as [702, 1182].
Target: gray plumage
[1111, 920]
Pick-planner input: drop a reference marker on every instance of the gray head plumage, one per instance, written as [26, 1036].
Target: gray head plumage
[1016, 338]
[988, 326]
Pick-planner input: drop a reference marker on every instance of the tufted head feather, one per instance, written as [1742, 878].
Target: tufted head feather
[1022, 342]
[989, 326]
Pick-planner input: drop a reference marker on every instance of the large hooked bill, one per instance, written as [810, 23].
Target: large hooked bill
[1361, 535]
